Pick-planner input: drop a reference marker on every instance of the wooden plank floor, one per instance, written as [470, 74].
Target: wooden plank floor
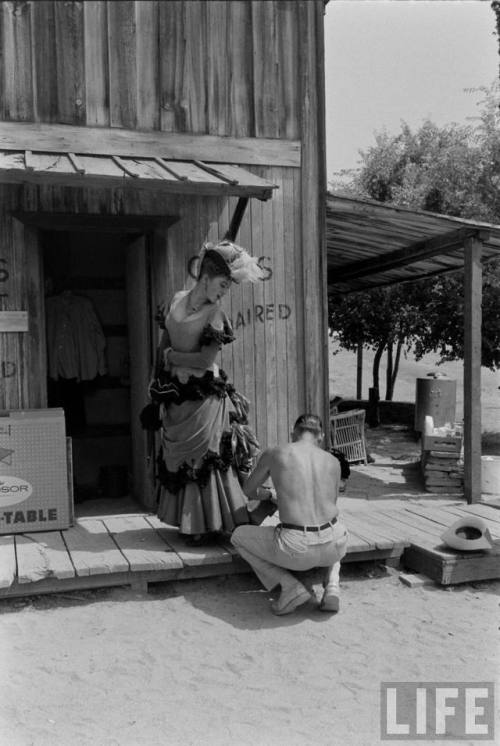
[428, 555]
[137, 549]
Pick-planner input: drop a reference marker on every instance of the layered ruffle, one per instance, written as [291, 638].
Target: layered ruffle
[168, 389]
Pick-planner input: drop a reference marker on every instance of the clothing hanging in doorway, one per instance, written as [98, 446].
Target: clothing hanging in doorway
[75, 339]
[75, 349]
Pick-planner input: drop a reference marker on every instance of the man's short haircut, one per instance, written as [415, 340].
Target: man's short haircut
[309, 423]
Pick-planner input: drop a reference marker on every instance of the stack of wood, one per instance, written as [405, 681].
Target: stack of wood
[442, 463]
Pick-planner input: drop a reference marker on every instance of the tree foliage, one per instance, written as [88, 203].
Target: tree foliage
[453, 170]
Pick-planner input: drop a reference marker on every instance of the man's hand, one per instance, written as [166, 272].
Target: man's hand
[258, 476]
[266, 493]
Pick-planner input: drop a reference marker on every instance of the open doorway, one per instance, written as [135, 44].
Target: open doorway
[97, 315]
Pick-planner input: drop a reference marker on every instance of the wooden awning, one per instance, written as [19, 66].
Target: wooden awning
[371, 244]
[156, 173]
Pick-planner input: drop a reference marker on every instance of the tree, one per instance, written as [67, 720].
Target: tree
[454, 170]
[384, 319]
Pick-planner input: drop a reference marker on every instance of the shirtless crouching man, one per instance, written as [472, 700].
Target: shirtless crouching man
[306, 479]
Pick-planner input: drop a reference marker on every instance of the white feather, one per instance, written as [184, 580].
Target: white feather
[245, 268]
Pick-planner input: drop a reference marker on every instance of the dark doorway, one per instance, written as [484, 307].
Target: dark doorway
[86, 279]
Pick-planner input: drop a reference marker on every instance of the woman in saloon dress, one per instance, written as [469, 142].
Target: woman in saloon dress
[206, 445]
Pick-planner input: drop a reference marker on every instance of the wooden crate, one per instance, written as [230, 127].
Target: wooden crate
[348, 434]
[442, 443]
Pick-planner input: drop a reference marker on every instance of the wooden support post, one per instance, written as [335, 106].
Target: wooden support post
[359, 372]
[373, 407]
[313, 190]
[472, 369]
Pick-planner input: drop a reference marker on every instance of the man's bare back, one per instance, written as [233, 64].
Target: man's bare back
[306, 479]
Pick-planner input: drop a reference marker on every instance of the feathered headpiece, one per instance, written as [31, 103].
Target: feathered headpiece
[233, 260]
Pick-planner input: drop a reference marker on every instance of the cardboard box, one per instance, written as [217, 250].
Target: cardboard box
[34, 486]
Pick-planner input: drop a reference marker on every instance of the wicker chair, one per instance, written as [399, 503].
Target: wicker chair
[348, 434]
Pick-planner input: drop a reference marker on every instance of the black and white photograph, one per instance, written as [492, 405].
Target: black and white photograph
[249, 372]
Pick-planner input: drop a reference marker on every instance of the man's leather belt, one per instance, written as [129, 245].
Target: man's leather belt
[309, 528]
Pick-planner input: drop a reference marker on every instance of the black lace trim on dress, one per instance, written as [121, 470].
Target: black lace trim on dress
[167, 389]
[210, 334]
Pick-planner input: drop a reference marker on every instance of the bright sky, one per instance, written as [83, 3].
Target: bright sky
[389, 61]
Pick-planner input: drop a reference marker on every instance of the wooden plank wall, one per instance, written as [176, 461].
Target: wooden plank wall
[241, 68]
[266, 362]
[225, 68]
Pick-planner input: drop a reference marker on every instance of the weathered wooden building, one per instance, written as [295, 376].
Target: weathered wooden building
[128, 133]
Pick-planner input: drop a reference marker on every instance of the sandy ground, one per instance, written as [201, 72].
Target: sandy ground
[205, 662]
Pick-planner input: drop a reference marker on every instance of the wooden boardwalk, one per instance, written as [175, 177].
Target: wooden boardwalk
[137, 549]
[427, 555]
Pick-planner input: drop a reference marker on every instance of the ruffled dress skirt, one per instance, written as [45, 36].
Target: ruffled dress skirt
[206, 449]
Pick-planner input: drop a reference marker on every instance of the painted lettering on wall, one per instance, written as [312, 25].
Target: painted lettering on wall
[262, 313]
[7, 369]
[264, 262]
[4, 272]
[4, 275]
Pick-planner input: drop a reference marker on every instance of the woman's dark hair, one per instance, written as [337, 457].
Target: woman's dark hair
[309, 423]
[212, 265]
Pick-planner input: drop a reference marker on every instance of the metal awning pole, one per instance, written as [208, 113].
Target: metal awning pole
[236, 219]
[472, 369]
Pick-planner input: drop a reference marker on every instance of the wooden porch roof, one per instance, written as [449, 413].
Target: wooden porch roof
[151, 173]
[371, 244]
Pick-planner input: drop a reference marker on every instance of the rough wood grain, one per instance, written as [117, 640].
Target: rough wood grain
[269, 324]
[147, 45]
[288, 81]
[7, 561]
[122, 64]
[140, 544]
[276, 312]
[447, 516]
[70, 62]
[194, 84]
[96, 62]
[141, 363]
[172, 115]
[126, 142]
[452, 569]
[42, 555]
[472, 369]
[377, 539]
[92, 549]
[45, 61]
[240, 116]
[191, 556]
[265, 92]
[218, 70]
[16, 65]
[313, 183]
